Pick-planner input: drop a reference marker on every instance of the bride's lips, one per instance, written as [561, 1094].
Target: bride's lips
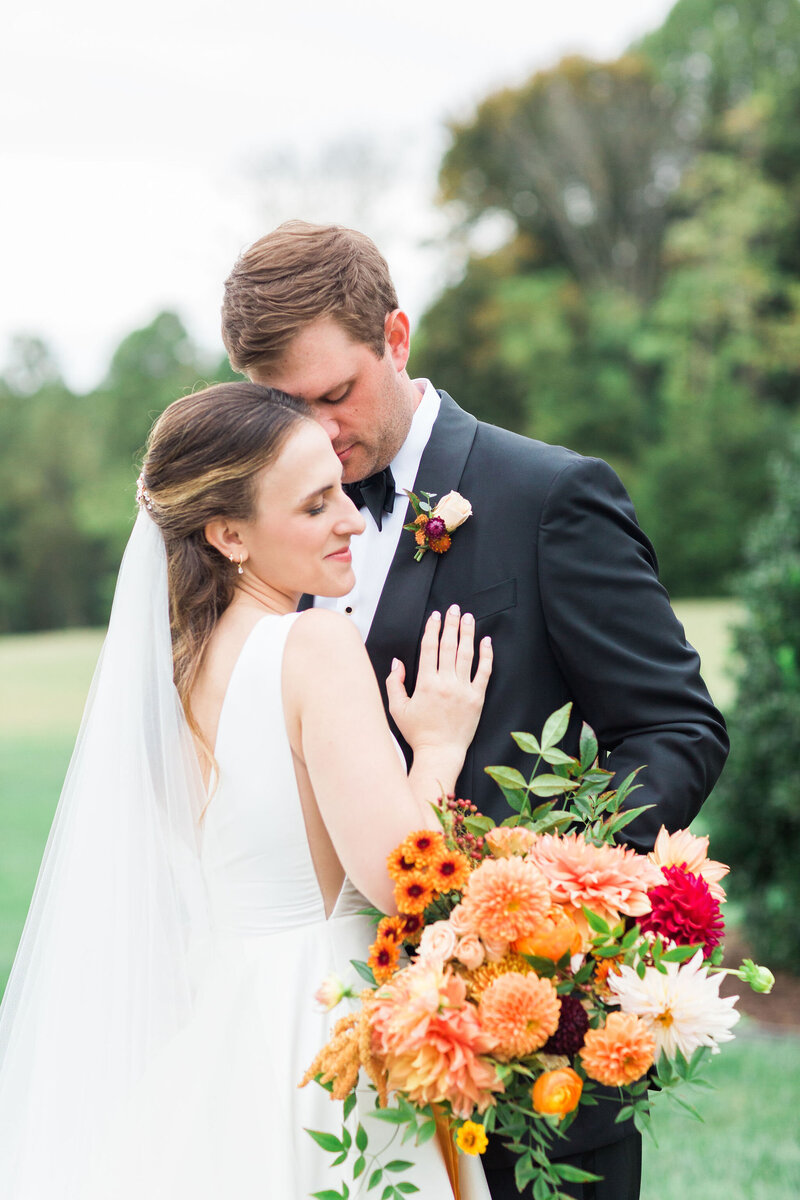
[342, 555]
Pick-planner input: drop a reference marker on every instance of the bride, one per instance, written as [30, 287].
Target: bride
[231, 800]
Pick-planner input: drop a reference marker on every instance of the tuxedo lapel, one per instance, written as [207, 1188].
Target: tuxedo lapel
[397, 626]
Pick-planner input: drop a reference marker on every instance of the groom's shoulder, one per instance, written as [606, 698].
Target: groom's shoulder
[526, 466]
[525, 462]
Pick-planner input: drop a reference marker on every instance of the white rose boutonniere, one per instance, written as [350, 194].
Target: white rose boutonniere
[433, 525]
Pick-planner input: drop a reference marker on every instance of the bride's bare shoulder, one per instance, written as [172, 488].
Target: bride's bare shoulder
[318, 632]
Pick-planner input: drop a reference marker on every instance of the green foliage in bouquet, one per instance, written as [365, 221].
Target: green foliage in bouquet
[756, 824]
[545, 959]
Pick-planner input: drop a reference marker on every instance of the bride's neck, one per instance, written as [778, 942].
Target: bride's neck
[254, 592]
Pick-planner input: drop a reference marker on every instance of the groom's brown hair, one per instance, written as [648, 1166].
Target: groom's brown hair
[293, 276]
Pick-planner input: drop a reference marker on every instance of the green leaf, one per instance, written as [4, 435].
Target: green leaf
[393, 1116]
[328, 1194]
[359, 1165]
[625, 818]
[506, 777]
[680, 953]
[574, 1174]
[328, 1141]
[374, 913]
[524, 1171]
[364, 971]
[542, 966]
[426, 1132]
[556, 726]
[406, 1187]
[527, 742]
[596, 923]
[479, 824]
[684, 1104]
[375, 1178]
[398, 1164]
[556, 757]
[349, 1104]
[388, 1191]
[587, 746]
[641, 1120]
[550, 785]
[627, 785]
[361, 1138]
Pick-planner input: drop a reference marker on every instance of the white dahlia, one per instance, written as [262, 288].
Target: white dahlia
[683, 1008]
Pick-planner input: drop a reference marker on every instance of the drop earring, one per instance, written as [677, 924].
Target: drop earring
[241, 560]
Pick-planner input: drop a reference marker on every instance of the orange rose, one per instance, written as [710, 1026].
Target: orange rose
[554, 936]
[556, 1093]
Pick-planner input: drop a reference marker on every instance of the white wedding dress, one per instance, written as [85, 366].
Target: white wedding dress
[218, 1114]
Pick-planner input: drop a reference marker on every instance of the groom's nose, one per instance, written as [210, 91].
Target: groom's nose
[328, 422]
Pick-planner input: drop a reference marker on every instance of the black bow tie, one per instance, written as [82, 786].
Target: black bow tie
[376, 494]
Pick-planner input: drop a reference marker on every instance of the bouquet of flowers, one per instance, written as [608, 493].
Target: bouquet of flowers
[529, 963]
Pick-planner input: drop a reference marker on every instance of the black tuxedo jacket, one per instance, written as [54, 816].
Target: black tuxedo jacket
[554, 566]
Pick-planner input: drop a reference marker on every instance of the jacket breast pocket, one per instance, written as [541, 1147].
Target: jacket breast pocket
[492, 600]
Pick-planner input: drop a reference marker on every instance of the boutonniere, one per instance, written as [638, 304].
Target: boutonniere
[433, 525]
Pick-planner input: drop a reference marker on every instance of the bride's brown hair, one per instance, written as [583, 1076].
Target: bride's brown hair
[203, 455]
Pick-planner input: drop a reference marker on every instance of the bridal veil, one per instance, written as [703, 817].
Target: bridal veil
[103, 974]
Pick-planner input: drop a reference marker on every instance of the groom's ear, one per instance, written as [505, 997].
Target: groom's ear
[397, 329]
[222, 536]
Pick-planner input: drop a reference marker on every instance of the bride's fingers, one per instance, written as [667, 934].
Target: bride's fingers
[429, 647]
[395, 688]
[466, 648]
[448, 645]
[485, 661]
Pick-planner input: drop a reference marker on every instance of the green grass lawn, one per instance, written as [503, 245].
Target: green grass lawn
[748, 1147]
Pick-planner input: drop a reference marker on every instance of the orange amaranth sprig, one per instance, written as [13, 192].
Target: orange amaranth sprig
[348, 1049]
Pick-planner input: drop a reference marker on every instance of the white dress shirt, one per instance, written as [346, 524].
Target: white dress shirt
[375, 548]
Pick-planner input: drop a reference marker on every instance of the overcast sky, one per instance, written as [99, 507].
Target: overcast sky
[142, 149]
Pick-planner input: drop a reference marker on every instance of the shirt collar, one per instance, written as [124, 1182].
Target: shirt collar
[405, 463]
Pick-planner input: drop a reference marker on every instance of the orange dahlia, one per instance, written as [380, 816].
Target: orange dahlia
[450, 870]
[609, 880]
[400, 863]
[414, 892]
[619, 1053]
[383, 958]
[521, 1012]
[506, 898]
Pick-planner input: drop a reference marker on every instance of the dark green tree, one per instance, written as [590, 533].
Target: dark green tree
[756, 814]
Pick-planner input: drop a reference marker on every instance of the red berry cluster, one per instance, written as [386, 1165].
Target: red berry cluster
[458, 810]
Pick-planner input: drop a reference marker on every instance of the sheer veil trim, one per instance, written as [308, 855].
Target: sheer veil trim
[103, 974]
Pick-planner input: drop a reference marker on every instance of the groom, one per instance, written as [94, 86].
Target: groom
[552, 564]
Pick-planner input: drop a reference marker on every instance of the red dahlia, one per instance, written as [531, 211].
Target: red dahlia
[684, 910]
